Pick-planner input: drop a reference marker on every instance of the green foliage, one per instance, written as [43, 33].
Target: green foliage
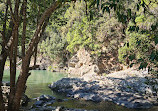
[50, 68]
[88, 28]
[138, 44]
[53, 46]
[140, 49]
[109, 33]
[79, 30]
[80, 35]
[2, 12]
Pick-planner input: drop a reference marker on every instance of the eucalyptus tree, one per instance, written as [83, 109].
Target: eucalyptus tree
[17, 11]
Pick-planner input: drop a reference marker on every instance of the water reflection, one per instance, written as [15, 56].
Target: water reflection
[38, 81]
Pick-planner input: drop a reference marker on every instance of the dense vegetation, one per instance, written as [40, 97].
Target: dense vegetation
[107, 26]
[127, 29]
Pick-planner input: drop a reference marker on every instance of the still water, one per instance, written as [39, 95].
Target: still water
[37, 85]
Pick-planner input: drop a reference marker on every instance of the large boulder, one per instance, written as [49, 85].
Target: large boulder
[42, 63]
[82, 64]
[129, 88]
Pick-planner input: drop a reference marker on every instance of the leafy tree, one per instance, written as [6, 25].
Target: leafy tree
[79, 30]
[141, 35]
[53, 46]
[18, 17]
[143, 16]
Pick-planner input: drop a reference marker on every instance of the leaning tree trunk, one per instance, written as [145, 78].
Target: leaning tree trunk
[35, 51]
[35, 56]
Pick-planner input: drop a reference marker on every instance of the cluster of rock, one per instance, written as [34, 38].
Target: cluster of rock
[5, 92]
[44, 102]
[83, 64]
[129, 88]
[42, 63]
[59, 108]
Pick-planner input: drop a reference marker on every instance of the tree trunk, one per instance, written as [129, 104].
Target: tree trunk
[3, 58]
[35, 38]
[13, 60]
[41, 34]
[2, 64]
[21, 82]
[35, 56]
[24, 27]
[20, 86]
[35, 51]
[13, 54]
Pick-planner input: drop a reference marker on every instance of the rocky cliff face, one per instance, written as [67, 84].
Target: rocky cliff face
[109, 63]
[82, 64]
[42, 63]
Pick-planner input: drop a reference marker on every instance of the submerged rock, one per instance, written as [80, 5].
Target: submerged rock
[45, 98]
[44, 103]
[38, 103]
[59, 108]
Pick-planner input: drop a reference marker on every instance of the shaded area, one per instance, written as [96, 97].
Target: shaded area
[131, 92]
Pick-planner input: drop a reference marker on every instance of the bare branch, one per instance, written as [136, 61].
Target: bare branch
[11, 11]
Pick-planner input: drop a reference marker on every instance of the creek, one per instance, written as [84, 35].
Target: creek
[39, 80]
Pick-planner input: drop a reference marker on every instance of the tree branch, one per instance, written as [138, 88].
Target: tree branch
[24, 27]
[11, 11]
[45, 15]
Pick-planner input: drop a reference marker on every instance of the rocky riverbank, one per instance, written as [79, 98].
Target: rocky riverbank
[44, 102]
[5, 92]
[129, 88]
[83, 63]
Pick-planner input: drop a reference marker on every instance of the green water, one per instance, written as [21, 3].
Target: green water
[38, 81]
[37, 85]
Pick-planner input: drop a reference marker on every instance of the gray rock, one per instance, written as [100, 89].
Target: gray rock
[123, 88]
[96, 98]
[5, 83]
[49, 103]
[38, 103]
[59, 108]
[45, 98]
